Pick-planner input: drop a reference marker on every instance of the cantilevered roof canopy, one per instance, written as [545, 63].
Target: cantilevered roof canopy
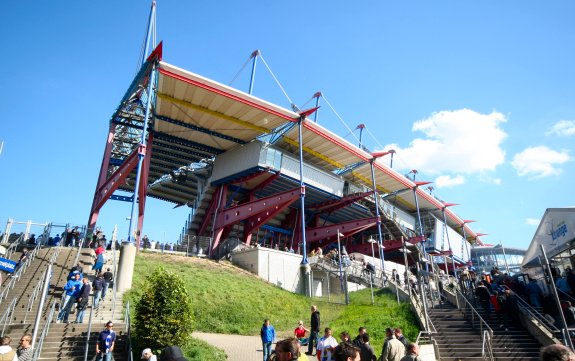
[196, 118]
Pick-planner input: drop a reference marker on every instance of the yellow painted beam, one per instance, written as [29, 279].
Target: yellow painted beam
[199, 108]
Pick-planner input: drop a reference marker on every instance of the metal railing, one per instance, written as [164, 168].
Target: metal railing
[37, 289]
[15, 277]
[12, 248]
[426, 338]
[40, 343]
[535, 314]
[6, 318]
[87, 343]
[128, 331]
[80, 245]
[477, 322]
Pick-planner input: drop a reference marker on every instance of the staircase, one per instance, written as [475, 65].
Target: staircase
[457, 339]
[63, 341]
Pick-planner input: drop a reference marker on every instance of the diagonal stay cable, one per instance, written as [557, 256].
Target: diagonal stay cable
[276, 80]
[240, 71]
[374, 138]
[340, 118]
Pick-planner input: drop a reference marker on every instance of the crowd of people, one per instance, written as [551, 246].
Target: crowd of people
[396, 347]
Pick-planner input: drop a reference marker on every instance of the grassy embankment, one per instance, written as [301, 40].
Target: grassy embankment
[229, 300]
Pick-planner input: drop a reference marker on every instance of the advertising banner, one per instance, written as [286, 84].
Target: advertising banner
[7, 265]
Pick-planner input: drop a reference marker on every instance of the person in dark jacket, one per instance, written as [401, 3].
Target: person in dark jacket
[314, 329]
[98, 286]
[83, 299]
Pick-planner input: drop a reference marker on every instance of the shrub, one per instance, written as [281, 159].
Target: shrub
[164, 315]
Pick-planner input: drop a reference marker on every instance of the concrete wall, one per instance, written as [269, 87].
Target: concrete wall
[277, 267]
[283, 269]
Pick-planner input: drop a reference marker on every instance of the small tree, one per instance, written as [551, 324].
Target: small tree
[164, 313]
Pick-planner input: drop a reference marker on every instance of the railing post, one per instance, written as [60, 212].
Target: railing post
[41, 305]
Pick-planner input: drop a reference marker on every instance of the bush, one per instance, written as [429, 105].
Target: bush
[164, 315]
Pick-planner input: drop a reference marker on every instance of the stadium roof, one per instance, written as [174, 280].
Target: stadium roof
[196, 118]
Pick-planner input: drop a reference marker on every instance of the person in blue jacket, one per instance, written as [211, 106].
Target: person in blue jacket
[268, 334]
[72, 290]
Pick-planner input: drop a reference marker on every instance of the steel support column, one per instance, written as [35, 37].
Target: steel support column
[93, 218]
[376, 200]
[142, 151]
[143, 189]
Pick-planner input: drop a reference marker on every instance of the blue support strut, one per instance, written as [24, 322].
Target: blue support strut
[142, 152]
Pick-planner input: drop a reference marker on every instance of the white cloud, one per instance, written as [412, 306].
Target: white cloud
[563, 127]
[449, 181]
[533, 221]
[539, 161]
[485, 178]
[459, 141]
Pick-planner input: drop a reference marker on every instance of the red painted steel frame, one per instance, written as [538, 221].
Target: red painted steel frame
[346, 228]
[258, 210]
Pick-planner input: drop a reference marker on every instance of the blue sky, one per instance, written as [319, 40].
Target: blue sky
[477, 96]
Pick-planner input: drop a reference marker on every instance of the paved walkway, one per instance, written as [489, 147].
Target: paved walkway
[238, 348]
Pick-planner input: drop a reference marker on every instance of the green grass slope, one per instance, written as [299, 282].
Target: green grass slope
[230, 300]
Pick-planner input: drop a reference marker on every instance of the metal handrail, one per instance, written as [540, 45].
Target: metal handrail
[6, 317]
[425, 338]
[12, 247]
[87, 344]
[484, 328]
[40, 343]
[15, 277]
[128, 329]
[34, 295]
[114, 282]
[534, 313]
[487, 346]
[80, 245]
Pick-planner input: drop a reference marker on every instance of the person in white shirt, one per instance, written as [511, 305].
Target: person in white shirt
[326, 345]
[6, 352]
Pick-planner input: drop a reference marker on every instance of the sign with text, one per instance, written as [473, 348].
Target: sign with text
[7, 265]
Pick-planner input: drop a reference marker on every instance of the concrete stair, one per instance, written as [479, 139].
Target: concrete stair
[63, 341]
[67, 342]
[458, 340]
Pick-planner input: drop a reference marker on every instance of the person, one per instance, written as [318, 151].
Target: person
[412, 353]
[23, 257]
[315, 325]
[82, 300]
[105, 343]
[267, 334]
[172, 353]
[326, 345]
[366, 351]
[100, 259]
[399, 335]
[393, 349]
[556, 352]
[569, 313]
[71, 290]
[56, 241]
[98, 286]
[6, 352]
[148, 355]
[346, 351]
[484, 296]
[108, 279]
[299, 333]
[24, 350]
[563, 285]
[287, 350]
[534, 292]
[345, 337]
[357, 340]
